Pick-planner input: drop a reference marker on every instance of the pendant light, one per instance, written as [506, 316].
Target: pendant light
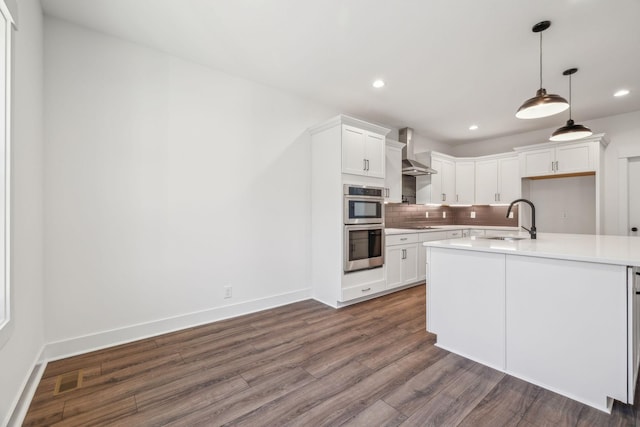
[571, 131]
[543, 104]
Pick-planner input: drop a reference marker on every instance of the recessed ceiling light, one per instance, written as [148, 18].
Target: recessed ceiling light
[621, 92]
[473, 127]
[378, 83]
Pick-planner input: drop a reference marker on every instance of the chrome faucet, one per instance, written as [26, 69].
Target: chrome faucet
[532, 231]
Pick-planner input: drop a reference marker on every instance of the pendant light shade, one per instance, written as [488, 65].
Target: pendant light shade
[543, 104]
[570, 131]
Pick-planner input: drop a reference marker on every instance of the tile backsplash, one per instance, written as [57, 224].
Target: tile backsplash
[401, 215]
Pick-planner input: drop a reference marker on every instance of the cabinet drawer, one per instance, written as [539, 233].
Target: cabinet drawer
[454, 234]
[432, 236]
[362, 290]
[401, 239]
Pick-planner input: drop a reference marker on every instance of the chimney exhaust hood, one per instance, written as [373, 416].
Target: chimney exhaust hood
[410, 166]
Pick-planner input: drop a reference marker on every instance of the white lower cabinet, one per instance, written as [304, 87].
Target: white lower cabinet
[465, 303]
[537, 319]
[422, 251]
[455, 234]
[405, 256]
[474, 232]
[580, 300]
[360, 291]
[401, 259]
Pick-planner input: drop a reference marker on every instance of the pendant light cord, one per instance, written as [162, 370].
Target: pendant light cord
[540, 59]
[570, 97]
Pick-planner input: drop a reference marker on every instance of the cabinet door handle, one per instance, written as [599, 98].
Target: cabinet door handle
[367, 163]
[499, 196]
[366, 289]
[364, 164]
[457, 197]
[403, 238]
[444, 197]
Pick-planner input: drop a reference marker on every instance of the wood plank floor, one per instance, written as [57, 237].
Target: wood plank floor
[304, 364]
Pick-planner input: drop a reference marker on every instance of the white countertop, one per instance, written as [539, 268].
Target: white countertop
[617, 250]
[447, 228]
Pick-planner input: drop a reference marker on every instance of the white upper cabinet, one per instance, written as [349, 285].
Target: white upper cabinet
[567, 159]
[443, 183]
[486, 181]
[578, 157]
[393, 172]
[537, 162]
[559, 158]
[509, 183]
[497, 180]
[453, 184]
[465, 182]
[363, 152]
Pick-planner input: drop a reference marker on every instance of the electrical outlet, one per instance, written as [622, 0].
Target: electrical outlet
[473, 214]
[426, 214]
[227, 292]
[510, 214]
[444, 214]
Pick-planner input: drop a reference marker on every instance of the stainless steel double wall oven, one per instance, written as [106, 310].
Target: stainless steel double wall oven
[363, 227]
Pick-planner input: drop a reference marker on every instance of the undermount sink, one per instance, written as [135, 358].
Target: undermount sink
[505, 238]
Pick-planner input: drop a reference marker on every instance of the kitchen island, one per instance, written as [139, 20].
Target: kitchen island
[559, 311]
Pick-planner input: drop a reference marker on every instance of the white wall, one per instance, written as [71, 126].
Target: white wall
[563, 205]
[424, 144]
[20, 353]
[164, 182]
[623, 130]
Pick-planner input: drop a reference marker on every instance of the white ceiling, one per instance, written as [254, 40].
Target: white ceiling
[447, 63]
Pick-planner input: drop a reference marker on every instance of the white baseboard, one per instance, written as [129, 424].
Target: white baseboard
[21, 405]
[84, 344]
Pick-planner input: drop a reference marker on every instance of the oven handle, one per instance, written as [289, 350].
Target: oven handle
[359, 227]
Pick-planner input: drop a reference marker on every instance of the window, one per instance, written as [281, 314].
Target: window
[6, 28]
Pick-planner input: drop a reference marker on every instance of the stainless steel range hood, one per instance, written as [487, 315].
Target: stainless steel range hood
[410, 166]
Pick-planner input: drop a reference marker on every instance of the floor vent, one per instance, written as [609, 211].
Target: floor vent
[68, 382]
